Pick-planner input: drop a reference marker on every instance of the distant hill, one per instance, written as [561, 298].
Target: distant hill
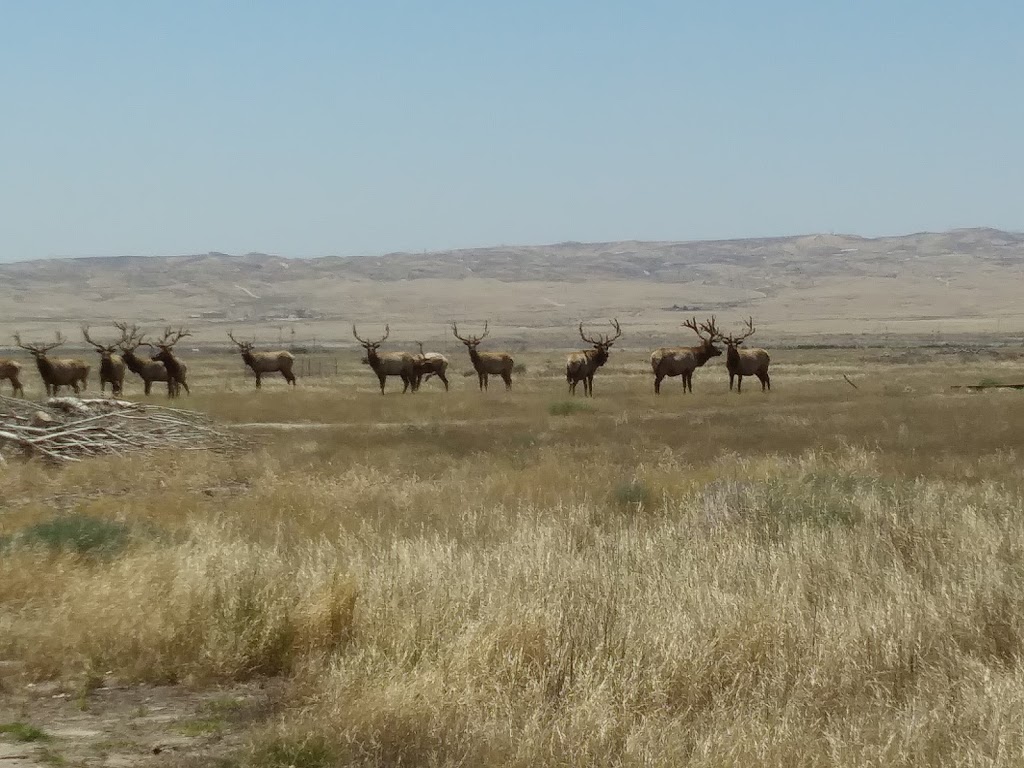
[970, 279]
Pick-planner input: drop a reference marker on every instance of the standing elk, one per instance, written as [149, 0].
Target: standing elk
[683, 361]
[265, 362]
[146, 369]
[746, 362]
[486, 363]
[582, 365]
[431, 364]
[176, 370]
[402, 364]
[57, 373]
[11, 370]
[111, 365]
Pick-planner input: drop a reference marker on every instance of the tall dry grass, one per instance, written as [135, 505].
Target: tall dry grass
[819, 576]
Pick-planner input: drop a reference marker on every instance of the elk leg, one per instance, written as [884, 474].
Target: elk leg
[657, 383]
[382, 380]
[739, 383]
[508, 380]
[765, 381]
[731, 374]
[590, 385]
[444, 379]
[259, 381]
[146, 385]
[184, 384]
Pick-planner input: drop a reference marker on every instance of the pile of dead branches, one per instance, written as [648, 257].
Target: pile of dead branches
[68, 429]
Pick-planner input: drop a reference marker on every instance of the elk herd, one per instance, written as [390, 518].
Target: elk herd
[162, 365]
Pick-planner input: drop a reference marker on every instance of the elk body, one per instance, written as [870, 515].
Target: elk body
[401, 364]
[177, 371]
[746, 362]
[265, 362]
[486, 363]
[683, 361]
[146, 369]
[59, 372]
[11, 370]
[111, 365]
[582, 365]
[431, 364]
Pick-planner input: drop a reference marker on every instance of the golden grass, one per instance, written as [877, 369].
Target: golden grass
[819, 576]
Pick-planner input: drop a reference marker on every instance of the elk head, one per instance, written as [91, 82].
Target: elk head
[371, 347]
[245, 347]
[470, 341]
[602, 343]
[39, 351]
[105, 351]
[707, 342]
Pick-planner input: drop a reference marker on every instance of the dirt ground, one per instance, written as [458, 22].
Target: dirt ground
[46, 724]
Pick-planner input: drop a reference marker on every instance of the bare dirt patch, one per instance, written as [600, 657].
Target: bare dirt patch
[47, 724]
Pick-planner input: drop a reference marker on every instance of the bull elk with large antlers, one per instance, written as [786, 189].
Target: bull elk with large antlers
[401, 364]
[56, 373]
[265, 362]
[582, 365]
[146, 369]
[111, 364]
[431, 364]
[486, 363]
[746, 362]
[176, 369]
[11, 370]
[683, 361]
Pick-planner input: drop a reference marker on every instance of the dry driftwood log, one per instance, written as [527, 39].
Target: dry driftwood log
[68, 429]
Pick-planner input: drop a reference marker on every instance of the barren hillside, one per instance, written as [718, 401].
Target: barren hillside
[959, 282]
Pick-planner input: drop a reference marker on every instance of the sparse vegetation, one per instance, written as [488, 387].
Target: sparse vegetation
[23, 732]
[569, 407]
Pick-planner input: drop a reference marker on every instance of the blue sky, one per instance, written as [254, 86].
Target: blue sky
[314, 128]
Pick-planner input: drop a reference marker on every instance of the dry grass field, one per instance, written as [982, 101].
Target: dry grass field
[821, 575]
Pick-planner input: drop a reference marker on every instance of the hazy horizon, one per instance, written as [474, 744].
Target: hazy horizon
[322, 129]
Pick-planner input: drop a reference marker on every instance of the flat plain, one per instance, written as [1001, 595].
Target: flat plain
[827, 574]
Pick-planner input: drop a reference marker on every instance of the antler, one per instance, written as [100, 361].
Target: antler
[129, 335]
[99, 347]
[711, 329]
[239, 344]
[618, 332]
[750, 329]
[39, 349]
[420, 345]
[692, 325]
[596, 343]
[365, 343]
[470, 339]
[167, 342]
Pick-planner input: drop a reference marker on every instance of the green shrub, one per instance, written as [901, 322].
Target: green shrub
[23, 732]
[633, 494]
[79, 534]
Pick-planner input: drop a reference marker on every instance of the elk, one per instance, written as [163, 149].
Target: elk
[11, 370]
[402, 364]
[56, 373]
[148, 370]
[486, 363]
[176, 370]
[582, 365]
[111, 365]
[746, 362]
[431, 364]
[683, 361]
[265, 362]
